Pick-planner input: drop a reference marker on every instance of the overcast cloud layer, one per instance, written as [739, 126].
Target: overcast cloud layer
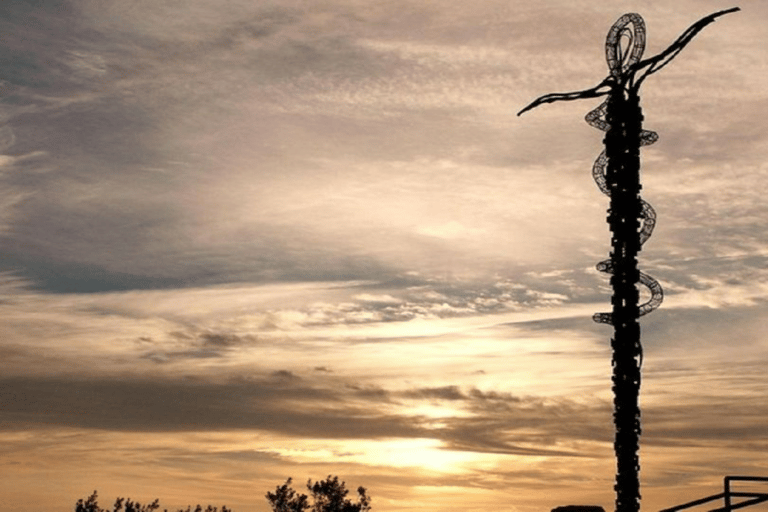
[242, 241]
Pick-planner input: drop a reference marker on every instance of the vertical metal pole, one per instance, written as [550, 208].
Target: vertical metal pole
[727, 493]
[622, 144]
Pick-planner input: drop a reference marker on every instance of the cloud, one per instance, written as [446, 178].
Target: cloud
[442, 393]
[207, 215]
[318, 191]
[318, 238]
[157, 405]
[284, 404]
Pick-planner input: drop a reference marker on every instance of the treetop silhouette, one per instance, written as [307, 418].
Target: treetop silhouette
[328, 495]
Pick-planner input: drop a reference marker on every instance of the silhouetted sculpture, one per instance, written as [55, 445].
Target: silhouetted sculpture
[617, 173]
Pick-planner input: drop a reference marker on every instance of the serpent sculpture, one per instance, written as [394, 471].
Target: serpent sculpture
[617, 174]
[630, 28]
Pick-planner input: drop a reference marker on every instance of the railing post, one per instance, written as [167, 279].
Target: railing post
[727, 493]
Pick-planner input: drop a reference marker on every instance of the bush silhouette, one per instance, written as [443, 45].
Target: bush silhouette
[328, 495]
[91, 504]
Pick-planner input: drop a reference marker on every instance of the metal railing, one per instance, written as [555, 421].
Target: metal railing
[728, 495]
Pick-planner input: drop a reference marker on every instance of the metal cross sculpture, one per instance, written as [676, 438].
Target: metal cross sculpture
[617, 174]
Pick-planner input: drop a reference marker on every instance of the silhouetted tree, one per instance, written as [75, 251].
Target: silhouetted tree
[91, 504]
[328, 495]
[285, 499]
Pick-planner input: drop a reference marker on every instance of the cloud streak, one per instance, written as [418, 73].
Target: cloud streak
[243, 241]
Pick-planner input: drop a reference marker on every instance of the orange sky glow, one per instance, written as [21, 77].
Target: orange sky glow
[245, 241]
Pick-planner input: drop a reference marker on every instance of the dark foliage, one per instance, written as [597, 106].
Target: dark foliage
[328, 495]
[91, 504]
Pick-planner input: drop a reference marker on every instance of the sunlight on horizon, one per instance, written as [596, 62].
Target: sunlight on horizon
[242, 242]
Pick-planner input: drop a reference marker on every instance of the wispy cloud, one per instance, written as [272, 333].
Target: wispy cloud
[244, 241]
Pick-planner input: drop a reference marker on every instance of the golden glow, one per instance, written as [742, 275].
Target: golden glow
[420, 455]
[318, 241]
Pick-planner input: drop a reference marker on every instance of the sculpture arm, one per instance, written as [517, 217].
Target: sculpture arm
[601, 89]
[657, 62]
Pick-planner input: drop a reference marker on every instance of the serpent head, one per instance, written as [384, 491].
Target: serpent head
[623, 50]
[624, 46]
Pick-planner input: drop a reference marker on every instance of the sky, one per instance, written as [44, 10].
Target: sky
[244, 241]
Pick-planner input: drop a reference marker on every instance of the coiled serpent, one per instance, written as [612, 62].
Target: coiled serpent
[620, 117]
[618, 63]
[627, 73]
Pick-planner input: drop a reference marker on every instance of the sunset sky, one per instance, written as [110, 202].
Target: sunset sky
[247, 240]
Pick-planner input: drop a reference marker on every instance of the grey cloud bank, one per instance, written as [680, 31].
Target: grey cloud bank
[237, 235]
